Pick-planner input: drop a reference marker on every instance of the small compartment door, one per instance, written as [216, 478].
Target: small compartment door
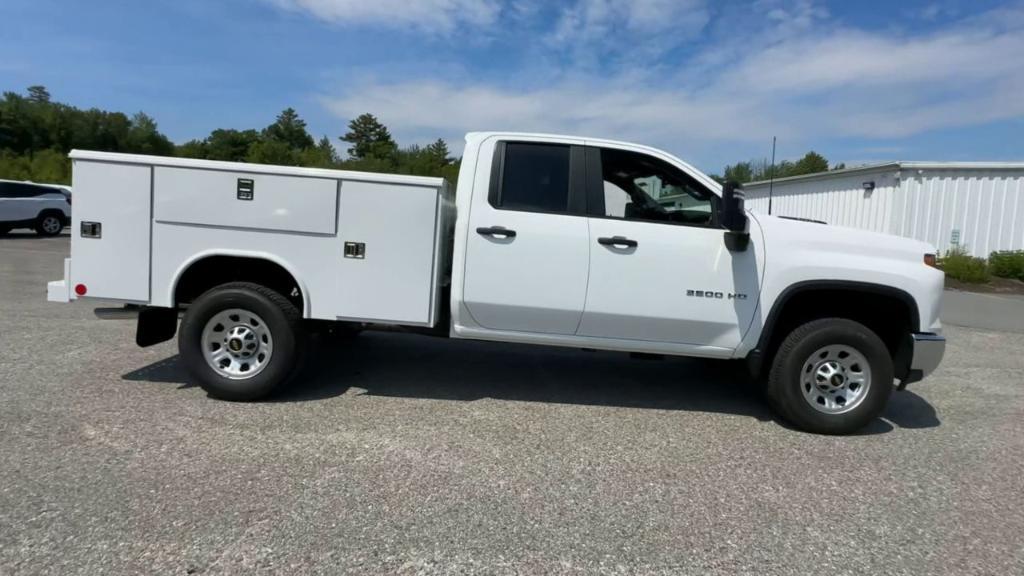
[114, 201]
[387, 252]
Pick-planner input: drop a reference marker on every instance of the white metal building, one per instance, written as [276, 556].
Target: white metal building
[978, 205]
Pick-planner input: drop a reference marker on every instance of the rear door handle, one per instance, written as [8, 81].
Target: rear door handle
[617, 241]
[492, 231]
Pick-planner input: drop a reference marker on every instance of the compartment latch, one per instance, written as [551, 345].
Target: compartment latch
[355, 250]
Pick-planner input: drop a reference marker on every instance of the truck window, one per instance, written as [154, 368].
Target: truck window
[534, 178]
[640, 187]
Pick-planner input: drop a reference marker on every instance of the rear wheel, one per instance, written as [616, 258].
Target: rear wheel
[241, 341]
[49, 224]
[831, 376]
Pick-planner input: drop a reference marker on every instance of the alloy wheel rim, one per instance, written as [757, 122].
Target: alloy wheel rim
[51, 224]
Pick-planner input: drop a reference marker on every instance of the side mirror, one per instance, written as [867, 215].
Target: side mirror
[733, 214]
[734, 217]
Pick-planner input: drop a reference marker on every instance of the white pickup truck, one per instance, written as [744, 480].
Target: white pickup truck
[551, 240]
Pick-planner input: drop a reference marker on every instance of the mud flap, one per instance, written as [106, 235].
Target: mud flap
[155, 325]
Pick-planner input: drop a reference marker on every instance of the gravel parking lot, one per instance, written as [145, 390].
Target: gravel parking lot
[404, 454]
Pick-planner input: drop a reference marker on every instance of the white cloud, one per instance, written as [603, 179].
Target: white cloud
[428, 15]
[596, 19]
[596, 31]
[855, 58]
[937, 10]
[620, 109]
[818, 80]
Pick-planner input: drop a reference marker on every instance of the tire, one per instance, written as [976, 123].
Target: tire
[816, 388]
[241, 309]
[49, 224]
[4, 230]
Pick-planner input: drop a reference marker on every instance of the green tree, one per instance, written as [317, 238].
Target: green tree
[15, 166]
[761, 169]
[370, 140]
[322, 155]
[741, 172]
[46, 166]
[39, 94]
[811, 163]
[96, 129]
[192, 149]
[50, 167]
[438, 153]
[229, 144]
[36, 133]
[271, 151]
[16, 130]
[144, 138]
[290, 129]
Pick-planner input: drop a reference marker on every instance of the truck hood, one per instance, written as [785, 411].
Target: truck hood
[839, 239]
[799, 252]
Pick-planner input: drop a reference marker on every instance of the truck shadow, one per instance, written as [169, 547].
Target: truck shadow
[407, 366]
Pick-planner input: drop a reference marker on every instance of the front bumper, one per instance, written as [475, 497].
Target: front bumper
[927, 350]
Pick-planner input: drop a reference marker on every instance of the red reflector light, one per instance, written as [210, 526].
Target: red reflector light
[929, 259]
[80, 289]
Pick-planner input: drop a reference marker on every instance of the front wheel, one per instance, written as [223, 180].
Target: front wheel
[241, 341]
[831, 376]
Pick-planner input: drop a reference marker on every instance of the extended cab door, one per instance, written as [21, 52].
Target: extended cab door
[660, 269]
[527, 250]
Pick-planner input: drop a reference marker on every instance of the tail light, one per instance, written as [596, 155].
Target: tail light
[930, 260]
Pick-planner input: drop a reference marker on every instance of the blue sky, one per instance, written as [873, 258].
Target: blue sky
[710, 81]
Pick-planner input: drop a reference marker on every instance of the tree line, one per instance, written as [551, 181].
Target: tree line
[762, 169]
[36, 133]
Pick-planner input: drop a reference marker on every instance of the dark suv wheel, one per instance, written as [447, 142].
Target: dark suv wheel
[49, 223]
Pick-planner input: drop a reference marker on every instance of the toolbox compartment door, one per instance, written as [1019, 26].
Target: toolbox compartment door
[387, 253]
[230, 199]
[113, 260]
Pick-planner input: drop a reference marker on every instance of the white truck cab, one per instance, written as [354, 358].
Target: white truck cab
[551, 240]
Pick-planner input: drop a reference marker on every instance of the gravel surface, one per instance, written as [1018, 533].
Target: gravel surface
[411, 455]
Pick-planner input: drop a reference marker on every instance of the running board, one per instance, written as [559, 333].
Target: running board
[127, 312]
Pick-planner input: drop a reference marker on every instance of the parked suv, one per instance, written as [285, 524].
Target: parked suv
[44, 208]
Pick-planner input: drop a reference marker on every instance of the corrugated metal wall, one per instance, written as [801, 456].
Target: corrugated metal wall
[840, 200]
[986, 206]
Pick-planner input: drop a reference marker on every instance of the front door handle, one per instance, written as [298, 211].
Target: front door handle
[617, 241]
[499, 231]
